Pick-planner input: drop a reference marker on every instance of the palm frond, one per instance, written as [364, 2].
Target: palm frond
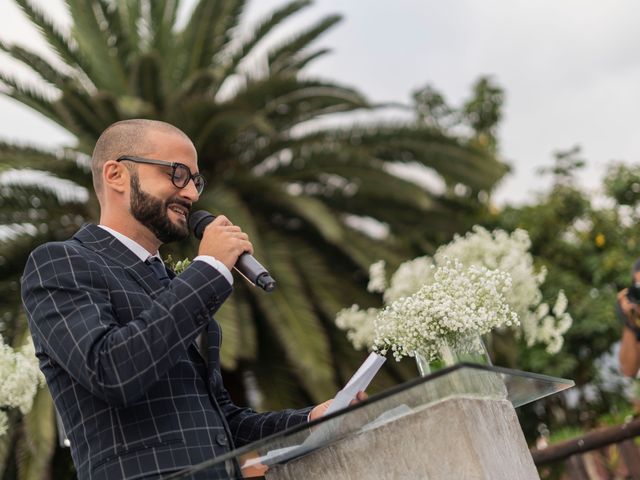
[30, 97]
[303, 59]
[130, 15]
[364, 250]
[58, 41]
[79, 114]
[103, 66]
[309, 209]
[456, 160]
[222, 200]
[240, 340]
[162, 22]
[292, 318]
[306, 99]
[367, 183]
[36, 63]
[281, 57]
[147, 80]
[259, 32]
[212, 127]
[232, 17]
[275, 375]
[61, 164]
[283, 101]
[36, 183]
[204, 35]
[122, 42]
[199, 84]
[318, 270]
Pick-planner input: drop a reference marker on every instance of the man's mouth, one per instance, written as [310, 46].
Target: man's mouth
[180, 210]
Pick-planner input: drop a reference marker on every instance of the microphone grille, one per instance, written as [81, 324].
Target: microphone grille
[198, 221]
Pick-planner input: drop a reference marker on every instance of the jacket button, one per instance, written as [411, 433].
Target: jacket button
[221, 438]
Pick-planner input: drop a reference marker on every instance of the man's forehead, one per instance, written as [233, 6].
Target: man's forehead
[174, 145]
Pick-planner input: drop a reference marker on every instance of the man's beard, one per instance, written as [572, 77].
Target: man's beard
[153, 213]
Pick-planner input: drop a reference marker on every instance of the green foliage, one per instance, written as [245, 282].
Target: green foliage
[480, 114]
[588, 251]
[483, 111]
[622, 183]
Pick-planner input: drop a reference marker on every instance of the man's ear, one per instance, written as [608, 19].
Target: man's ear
[115, 176]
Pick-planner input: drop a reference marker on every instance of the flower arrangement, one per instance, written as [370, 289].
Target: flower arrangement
[442, 297]
[20, 378]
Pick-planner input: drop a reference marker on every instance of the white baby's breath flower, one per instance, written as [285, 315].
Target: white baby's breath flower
[561, 304]
[20, 377]
[377, 277]
[409, 277]
[358, 324]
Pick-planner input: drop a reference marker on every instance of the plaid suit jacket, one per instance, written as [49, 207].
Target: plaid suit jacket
[117, 349]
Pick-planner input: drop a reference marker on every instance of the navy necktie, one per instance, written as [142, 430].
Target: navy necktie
[158, 269]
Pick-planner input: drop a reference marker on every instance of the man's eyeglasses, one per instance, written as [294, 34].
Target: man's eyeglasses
[180, 175]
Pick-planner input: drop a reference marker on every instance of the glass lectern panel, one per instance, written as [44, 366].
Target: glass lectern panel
[460, 381]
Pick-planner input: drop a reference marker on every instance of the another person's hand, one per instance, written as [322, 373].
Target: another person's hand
[630, 311]
[628, 308]
[319, 410]
[224, 241]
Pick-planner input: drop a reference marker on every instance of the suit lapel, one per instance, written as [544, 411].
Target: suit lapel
[108, 246]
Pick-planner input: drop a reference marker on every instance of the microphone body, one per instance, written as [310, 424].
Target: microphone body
[246, 265]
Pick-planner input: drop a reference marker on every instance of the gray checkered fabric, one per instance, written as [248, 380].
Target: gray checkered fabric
[117, 349]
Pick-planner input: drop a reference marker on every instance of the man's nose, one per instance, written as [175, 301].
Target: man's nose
[190, 191]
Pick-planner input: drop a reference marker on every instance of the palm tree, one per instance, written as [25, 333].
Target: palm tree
[301, 190]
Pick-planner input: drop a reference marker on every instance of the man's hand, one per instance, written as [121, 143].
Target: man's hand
[320, 410]
[224, 241]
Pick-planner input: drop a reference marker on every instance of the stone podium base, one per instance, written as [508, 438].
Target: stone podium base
[461, 438]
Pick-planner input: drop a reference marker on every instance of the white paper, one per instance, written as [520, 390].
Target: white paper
[358, 382]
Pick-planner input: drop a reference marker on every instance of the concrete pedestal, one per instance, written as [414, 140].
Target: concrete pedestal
[456, 438]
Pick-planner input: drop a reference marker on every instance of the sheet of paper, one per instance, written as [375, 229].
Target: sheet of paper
[359, 381]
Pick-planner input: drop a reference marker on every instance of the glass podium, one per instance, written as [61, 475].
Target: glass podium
[271, 456]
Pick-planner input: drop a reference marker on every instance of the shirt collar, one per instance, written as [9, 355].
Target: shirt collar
[141, 252]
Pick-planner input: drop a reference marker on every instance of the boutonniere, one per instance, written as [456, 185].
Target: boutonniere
[177, 266]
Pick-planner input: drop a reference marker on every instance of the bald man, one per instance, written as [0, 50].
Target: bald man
[114, 330]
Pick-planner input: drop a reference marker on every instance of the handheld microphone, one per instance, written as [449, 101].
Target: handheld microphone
[247, 266]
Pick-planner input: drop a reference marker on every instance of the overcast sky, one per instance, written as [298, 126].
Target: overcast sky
[570, 68]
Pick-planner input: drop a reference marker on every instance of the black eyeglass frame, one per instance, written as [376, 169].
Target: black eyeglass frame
[174, 165]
